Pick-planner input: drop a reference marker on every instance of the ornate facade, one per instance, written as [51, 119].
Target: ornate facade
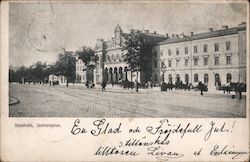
[111, 66]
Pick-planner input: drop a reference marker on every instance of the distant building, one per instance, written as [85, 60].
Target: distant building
[215, 57]
[54, 78]
[111, 66]
[80, 73]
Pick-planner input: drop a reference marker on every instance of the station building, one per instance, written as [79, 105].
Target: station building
[216, 57]
[111, 66]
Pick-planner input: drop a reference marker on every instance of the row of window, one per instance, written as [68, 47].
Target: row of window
[205, 48]
[196, 78]
[196, 61]
[113, 57]
[79, 62]
[79, 68]
[79, 77]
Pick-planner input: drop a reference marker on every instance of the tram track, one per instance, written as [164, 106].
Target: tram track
[107, 104]
[173, 107]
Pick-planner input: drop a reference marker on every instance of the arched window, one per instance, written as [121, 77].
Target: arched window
[106, 75]
[120, 73]
[170, 78]
[205, 78]
[217, 79]
[229, 78]
[178, 79]
[126, 69]
[186, 78]
[196, 78]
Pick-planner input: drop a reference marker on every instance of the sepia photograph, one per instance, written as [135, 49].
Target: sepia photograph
[127, 59]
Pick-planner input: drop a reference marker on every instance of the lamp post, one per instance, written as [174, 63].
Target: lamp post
[163, 69]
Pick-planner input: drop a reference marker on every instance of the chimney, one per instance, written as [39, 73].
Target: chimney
[172, 35]
[191, 34]
[146, 31]
[177, 35]
[154, 32]
[167, 36]
[210, 29]
[224, 27]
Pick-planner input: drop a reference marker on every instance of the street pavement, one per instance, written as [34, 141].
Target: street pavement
[78, 101]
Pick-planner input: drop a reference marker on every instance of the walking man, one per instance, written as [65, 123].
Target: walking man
[103, 86]
[201, 87]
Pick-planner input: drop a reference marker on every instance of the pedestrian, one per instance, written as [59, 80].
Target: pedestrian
[151, 85]
[240, 90]
[93, 85]
[201, 86]
[103, 86]
[137, 85]
[87, 84]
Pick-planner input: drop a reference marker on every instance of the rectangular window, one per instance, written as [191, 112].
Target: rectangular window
[228, 46]
[155, 54]
[195, 49]
[195, 61]
[177, 63]
[186, 50]
[169, 63]
[186, 62]
[169, 52]
[228, 60]
[205, 48]
[163, 64]
[155, 62]
[216, 60]
[177, 51]
[216, 47]
[205, 61]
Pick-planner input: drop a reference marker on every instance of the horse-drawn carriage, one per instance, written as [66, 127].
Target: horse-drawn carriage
[170, 86]
[181, 86]
[233, 87]
[127, 84]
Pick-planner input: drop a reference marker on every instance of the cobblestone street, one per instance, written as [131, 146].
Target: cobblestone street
[78, 101]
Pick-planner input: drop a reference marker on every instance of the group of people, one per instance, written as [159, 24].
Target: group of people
[53, 83]
[237, 87]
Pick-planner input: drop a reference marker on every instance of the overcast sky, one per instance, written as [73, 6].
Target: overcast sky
[39, 31]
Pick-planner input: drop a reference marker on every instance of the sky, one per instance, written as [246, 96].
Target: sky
[40, 31]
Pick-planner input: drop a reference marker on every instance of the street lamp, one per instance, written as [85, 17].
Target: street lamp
[163, 69]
